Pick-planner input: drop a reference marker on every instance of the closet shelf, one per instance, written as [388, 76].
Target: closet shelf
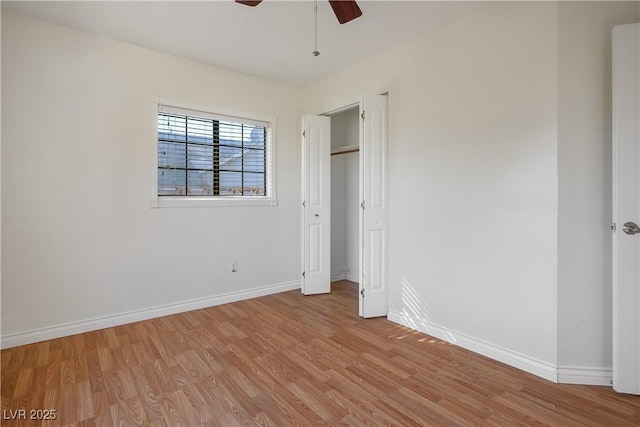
[346, 150]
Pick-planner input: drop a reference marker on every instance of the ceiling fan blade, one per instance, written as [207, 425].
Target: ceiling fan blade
[249, 2]
[345, 10]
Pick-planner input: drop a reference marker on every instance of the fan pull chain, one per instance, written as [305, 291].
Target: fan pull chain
[315, 6]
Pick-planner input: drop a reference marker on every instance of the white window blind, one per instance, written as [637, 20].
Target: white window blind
[206, 154]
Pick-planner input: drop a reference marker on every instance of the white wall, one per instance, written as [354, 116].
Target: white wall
[473, 177]
[345, 204]
[80, 240]
[584, 184]
[345, 130]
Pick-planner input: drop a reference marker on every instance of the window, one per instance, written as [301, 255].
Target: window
[212, 157]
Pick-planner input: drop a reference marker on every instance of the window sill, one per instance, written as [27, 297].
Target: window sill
[202, 202]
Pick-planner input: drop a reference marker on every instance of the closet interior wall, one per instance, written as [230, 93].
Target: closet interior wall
[345, 207]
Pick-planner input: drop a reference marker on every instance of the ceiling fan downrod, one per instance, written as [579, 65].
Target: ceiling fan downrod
[315, 8]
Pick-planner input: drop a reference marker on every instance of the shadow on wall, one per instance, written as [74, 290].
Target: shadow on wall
[417, 314]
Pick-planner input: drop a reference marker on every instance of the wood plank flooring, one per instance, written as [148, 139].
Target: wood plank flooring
[285, 360]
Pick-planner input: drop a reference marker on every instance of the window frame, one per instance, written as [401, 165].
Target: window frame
[213, 201]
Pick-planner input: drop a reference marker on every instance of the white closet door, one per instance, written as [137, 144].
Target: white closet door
[626, 208]
[373, 168]
[316, 210]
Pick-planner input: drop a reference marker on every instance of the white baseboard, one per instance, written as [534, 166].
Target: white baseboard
[352, 277]
[585, 375]
[336, 277]
[72, 328]
[521, 361]
[345, 275]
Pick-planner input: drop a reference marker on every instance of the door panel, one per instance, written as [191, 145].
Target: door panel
[315, 249]
[376, 260]
[316, 210]
[315, 166]
[626, 208]
[373, 169]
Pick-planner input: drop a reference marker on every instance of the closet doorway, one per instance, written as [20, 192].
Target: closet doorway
[319, 264]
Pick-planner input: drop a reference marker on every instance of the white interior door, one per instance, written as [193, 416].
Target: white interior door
[316, 205]
[626, 208]
[374, 218]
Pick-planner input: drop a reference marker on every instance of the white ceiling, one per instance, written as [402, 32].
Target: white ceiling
[273, 40]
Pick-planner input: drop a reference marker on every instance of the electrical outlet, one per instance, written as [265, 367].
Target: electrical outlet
[234, 267]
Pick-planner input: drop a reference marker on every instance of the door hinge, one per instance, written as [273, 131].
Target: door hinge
[613, 226]
[362, 204]
[362, 292]
[304, 204]
[304, 133]
[303, 276]
[362, 115]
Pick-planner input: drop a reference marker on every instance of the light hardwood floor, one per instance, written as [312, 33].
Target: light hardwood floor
[283, 360]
